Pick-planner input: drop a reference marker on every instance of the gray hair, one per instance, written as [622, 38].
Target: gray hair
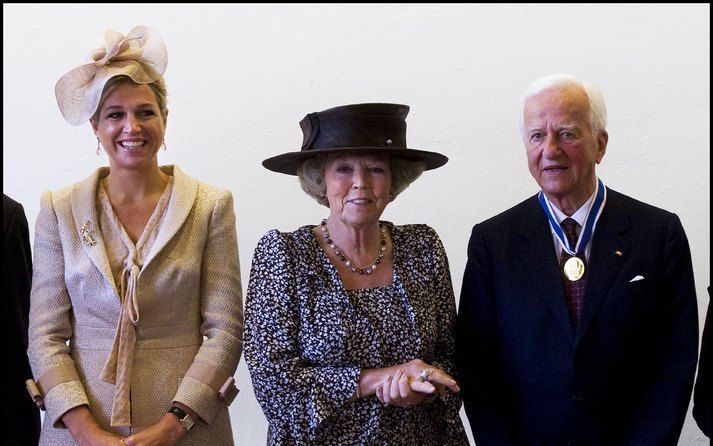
[597, 108]
[311, 175]
[158, 87]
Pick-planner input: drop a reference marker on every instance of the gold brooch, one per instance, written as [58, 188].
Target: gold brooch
[87, 234]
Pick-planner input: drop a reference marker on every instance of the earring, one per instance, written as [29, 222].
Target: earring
[98, 146]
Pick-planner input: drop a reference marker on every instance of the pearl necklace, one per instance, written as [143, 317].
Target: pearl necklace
[343, 257]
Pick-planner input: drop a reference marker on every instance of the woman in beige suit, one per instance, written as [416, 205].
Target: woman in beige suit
[136, 307]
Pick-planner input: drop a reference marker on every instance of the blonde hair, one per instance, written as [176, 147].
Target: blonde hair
[158, 87]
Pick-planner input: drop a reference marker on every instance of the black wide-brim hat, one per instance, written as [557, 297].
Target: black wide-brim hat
[361, 128]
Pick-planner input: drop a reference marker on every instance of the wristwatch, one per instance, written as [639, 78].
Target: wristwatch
[183, 417]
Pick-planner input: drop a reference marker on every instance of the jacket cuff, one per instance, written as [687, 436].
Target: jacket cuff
[200, 397]
[222, 383]
[63, 397]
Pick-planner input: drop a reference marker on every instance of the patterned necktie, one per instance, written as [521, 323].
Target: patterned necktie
[573, 290]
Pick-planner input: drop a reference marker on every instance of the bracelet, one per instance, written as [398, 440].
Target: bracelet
[358, 393]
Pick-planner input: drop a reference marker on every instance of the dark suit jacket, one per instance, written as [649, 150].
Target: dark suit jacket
[624, 377]
[703, 395]
[21, 418]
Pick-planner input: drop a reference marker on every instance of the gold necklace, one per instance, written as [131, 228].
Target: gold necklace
[343, 257]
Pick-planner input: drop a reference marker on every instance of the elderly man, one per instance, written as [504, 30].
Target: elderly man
[578, 320]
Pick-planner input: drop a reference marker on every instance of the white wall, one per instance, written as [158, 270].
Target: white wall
[240, 77]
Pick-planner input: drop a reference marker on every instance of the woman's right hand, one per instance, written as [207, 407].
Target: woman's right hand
[86, 431]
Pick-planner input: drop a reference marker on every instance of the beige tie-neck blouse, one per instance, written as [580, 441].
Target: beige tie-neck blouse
[126, 261]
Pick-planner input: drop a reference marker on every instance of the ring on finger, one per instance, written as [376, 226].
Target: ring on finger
[424, 374]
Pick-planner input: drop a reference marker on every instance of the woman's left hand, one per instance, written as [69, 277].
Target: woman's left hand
[166, 432]
[396, 390]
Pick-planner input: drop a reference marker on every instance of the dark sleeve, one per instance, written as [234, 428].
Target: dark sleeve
[290, 389]
[18, 281]
[444, 357]
[660, 416]
[484, 393]
[22, 419]
[703, 395]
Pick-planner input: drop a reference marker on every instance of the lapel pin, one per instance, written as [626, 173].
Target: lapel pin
[87, 234]
[618, 253]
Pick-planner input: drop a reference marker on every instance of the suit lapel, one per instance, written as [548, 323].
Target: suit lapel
[542, 264]
[84, 210]
[609, 249]
[183, 196]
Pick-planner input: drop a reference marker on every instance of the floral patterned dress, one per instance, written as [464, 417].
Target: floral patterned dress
[307, 338]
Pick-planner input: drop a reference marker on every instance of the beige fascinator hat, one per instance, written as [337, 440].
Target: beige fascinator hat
[141, 55]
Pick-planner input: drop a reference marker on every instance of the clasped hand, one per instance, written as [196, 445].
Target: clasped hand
[404, 386]
[166, 432]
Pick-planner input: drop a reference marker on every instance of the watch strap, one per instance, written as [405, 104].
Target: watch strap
[183, 417]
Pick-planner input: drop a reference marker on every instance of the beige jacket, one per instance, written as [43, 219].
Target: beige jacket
[189, 311]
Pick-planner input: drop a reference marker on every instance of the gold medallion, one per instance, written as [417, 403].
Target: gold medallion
[573, 269]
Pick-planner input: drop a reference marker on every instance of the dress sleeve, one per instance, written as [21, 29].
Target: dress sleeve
[445, 344]
[50, 317]
[291, 390]
[221, 313]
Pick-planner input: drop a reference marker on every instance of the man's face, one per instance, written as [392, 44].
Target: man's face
[562, 150]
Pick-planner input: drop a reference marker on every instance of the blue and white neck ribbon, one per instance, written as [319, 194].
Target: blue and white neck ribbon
[590, 221]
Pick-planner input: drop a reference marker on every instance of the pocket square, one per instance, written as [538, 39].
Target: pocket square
[636, 279]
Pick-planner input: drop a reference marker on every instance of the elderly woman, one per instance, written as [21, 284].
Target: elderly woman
[349, 323]
[136, 318]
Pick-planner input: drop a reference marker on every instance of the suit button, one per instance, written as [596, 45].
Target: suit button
[577, 398]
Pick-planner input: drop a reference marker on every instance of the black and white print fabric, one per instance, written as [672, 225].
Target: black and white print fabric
[307, 338]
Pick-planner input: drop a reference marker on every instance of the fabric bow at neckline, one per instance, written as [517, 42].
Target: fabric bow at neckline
[118, 366]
